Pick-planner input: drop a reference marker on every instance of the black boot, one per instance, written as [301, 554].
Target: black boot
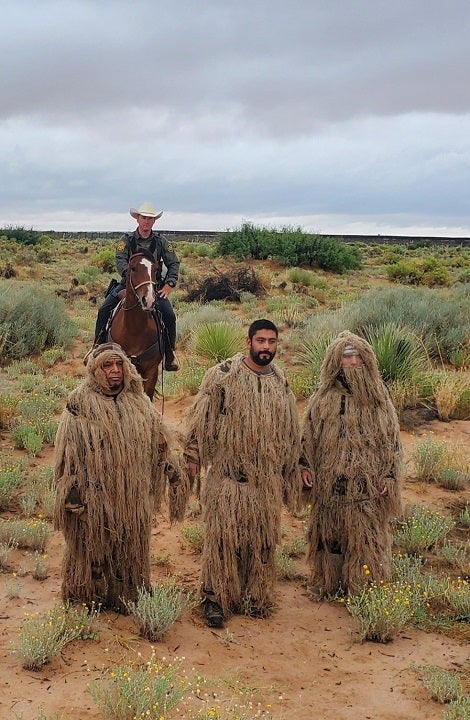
[213, 614]
[171, 364]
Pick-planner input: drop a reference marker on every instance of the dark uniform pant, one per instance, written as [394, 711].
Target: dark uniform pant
[162, 304]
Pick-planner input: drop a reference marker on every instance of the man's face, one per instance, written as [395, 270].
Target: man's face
[351, 361]
[114, 373]
[262, 347]
[145, 225]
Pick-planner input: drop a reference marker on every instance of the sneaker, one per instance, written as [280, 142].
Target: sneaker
[213, 614]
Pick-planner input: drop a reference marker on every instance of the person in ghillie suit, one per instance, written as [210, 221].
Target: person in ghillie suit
[352, 458]
[112, 469]
[242, 429]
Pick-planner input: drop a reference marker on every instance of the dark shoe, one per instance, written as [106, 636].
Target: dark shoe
[213, 614]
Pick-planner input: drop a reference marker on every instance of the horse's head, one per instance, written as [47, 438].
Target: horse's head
[141, 277]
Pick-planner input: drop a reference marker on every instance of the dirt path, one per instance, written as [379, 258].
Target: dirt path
[301, 663]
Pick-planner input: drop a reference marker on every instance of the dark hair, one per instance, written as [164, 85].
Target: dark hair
[261, 325]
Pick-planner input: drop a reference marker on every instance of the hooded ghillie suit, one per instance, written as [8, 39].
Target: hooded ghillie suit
[351, 443]
[243, 428]
[109, 470]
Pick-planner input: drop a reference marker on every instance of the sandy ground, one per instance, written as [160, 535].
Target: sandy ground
[301, 663]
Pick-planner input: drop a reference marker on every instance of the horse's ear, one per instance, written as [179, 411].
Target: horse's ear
[133, 246]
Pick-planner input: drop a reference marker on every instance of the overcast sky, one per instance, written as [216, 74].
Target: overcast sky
[334, 115]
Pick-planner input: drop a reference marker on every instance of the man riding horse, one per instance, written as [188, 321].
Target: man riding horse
[145, 237]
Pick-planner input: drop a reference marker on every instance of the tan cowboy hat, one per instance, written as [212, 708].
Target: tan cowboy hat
[147, 210]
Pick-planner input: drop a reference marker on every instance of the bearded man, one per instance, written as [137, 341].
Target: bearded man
[243, 429]
[352, 458]
[110, 462]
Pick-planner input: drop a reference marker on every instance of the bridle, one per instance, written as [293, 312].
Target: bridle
[134, 288]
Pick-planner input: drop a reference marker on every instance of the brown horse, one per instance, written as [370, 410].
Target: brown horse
[133, 325]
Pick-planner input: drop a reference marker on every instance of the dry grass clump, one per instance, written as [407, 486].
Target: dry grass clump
[29, 534]
[445, 685]
[441, 462]
[43, 636]
[193, 534]
[422, 529]
[448, 394]
[138, 692]
[157, 610]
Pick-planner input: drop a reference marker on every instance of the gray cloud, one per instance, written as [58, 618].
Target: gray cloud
[265, 108]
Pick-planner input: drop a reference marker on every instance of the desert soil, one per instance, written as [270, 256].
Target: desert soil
[303, 662]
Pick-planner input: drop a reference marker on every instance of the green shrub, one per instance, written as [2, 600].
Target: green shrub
[290, 246]
[30, 534]
[439, 319]
[193, 533]
[383, 610]
[89, 275]
[11, 473]
[31, 320]
[426, 271]
[299, 276]
[445, 685]
[20, 235]
[105, 260]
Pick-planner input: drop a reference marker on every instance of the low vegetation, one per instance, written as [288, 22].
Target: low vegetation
[412, 303]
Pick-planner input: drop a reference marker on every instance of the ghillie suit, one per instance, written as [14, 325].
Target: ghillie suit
[243, 428]
[110, 463]
[351, 443]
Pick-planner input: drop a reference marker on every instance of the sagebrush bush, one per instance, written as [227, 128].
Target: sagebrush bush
[31, 320]
[430, 458]
[438, 318]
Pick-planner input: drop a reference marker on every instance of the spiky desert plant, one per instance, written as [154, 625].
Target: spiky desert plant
[400, 354]
[217, 341]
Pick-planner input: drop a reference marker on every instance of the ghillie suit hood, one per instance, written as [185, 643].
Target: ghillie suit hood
[110, 459]
[351, 442]
[243, 429]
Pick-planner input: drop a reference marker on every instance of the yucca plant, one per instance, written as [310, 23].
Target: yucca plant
[312, 352]
[400, 354]
[217, 341]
